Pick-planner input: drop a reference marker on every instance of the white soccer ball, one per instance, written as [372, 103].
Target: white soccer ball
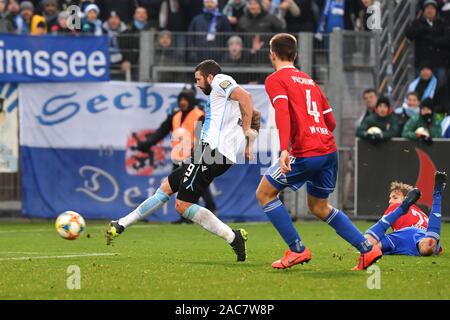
[70, 225]
[374, 130]
[422, 132]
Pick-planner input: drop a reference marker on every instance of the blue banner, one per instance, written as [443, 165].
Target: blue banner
[26, 58]
[76, 152]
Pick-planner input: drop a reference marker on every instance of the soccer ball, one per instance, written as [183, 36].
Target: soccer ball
[422, 132]
[374, 130]
[70, 225]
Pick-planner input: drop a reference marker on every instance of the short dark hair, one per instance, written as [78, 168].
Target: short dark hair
[370, 90]
[383, 100]
[208, 67]
[413, 93]
[284, 45]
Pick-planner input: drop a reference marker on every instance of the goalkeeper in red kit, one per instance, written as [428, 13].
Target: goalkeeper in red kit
[308, 156]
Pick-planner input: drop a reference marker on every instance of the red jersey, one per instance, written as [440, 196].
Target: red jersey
[414, 218]
[303, 116]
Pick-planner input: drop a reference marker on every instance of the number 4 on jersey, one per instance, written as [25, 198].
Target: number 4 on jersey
[312, 107]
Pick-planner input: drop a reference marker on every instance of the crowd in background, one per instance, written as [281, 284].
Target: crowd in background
[425, 112]
[429, 32]
[210, 17]
[321, 16]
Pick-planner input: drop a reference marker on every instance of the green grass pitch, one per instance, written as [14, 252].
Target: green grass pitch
[161, 261]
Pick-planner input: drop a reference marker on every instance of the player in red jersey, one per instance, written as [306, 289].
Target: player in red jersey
[415, 217]
[308, 156]
[414, 233]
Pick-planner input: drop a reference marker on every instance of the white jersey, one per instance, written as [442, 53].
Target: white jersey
[222, 128]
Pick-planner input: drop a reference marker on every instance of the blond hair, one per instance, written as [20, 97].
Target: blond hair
[400, 186]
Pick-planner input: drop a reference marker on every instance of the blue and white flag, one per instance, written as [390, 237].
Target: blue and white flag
[26, 58]
[76, 151]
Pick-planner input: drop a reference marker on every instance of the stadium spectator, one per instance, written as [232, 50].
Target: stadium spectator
[62, 28]
[423, 127]
[445, 126]
[6, 24]
[165, 52]
[431, 36]
[165, 55]
[287, 11]
[38, 25]
[410, 108]
[236, 54]
[332, 16]
[50, 12]
[83, 4]
[172, 15]
[209, 24]
[370, 100]
[309, 15]
[124, 8]
[445, 11]
[382, 125]
[362, 16]
[130, 43]
[113, 27]
[141, 21]
[23, 19]
[91, 24]
[13, 11]
[425, 85]
[257, 20]
[234, 10]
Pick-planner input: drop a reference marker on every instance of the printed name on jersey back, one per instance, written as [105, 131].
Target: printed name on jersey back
[320, 130]
[303, 81]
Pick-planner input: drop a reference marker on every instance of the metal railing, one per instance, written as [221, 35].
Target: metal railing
[395, 54]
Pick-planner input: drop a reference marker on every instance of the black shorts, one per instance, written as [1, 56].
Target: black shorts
[192, 179]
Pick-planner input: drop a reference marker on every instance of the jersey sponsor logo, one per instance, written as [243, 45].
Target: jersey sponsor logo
[225, 84]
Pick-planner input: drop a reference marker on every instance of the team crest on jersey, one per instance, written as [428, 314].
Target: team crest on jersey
[225, 84]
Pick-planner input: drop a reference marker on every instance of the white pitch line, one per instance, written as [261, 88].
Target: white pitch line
[20, 252]
[60, 257]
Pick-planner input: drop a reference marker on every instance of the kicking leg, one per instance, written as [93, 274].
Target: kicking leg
[149, 206]
[168, 187]
[379, 229]
[427, 246]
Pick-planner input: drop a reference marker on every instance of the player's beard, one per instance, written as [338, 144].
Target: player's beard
[207, 90]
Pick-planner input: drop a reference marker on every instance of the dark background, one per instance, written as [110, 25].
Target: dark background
[398, 160]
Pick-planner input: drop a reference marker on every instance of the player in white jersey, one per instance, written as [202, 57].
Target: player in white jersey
[228, 120]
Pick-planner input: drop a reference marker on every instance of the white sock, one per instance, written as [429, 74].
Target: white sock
[145, 208]
[209, 221]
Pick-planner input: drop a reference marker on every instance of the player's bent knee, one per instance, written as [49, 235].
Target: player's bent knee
[165, 187]
[319, 207]
[265, 192]
[182, 206]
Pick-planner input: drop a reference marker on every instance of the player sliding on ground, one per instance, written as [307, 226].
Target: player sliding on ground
[228, 116]
[415, 234]
[306, 122]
